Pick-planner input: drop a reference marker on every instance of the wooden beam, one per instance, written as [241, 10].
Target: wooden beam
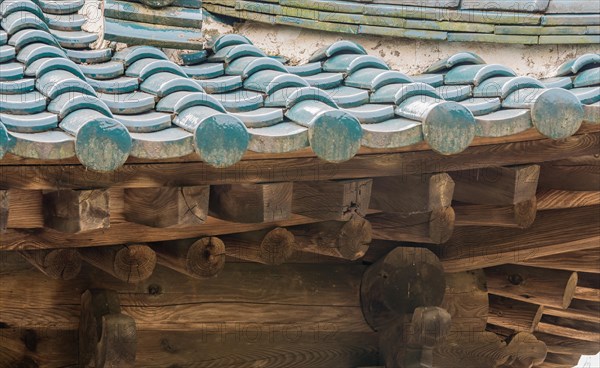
[553, 288]
[470, 350]
[200, 258]
[252, 203]
[4, 208]
[466, 299]
[341, 239]
[562, 359]
[571, 328]
[588, 287]
[299, 169]
[60, 264]
[107, 338]
[553, 199]
[73, 211]
[410, 194]
[24, 209]
[520, 215]
[579, 173]
[267, 247]
[586, 260]
[470, 248]
[433, 227]
[565, 345]
[400, 282]
[575, 311]
[332, 200]
[131, 263]
[178, 206]
[514, 314]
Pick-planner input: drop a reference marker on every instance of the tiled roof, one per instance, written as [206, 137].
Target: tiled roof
[504, 21]
[60, 99]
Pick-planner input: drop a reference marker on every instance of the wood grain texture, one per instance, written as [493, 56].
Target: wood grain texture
[131, 263]
[73, 211]
[166, 206]
[268, 247]
[23, 209]
[471, 248]
[514, 314]
[63, 264]
[551, 199]
[470, 350]
[571, 176]
[252, 203]
[524, 351]
[586, 260]
[553, 288]
[520, 215]
[302, 168]
[433, 227]
[332, 200]
[4, 209]
[571, 328]
[588, 287]
[466, 299]
[201, 258]
[565, 345]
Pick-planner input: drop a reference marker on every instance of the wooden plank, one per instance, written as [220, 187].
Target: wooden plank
[332, 200]
[63, 264]
[573, 312]
[588, 287]
[586, 260]
[551, 199]
[514, 314]
[470, 350]
[562, 359]
[302, 168]
[131, 263]
[471, 248]
[434, 227]
[412, 193]
[520, 215]
[179, 206]
[23, 209]
[251, 203]
[553, 288]
[74, 211]
[565, 345]
[572, 176]
[571, 328]
[202, 258]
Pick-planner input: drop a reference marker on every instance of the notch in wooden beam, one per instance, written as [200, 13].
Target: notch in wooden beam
[131, 263]
[252, 203]
[199, 259]
[107, 338]
[332, 200]
[166, 206]
[59, 264]
[434, 227]
[4, 202]
[341, 239]
[514, 314]
[553, 288]
[272, 247]
[73, 211]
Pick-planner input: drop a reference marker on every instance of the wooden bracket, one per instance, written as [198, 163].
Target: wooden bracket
[107, 338]
[73, 211]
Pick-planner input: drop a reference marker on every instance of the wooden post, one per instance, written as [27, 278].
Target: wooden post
[166, 206]
[332, 200]
[409, 342]
[341, 239]
[201, 258]
[553, 199]
[132, 263]
[524, 350]
[400, 282]
[251, 203]
[553, 288]
[585, 260]
[410, 194]
[73, 211]
[268, 247]
[435, 227]
[63, 264]
[107, 338]
[4, 202]
[514, 314]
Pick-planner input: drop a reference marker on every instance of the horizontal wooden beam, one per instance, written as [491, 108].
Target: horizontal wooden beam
[4, 210]
[433, 227]
[131, 263]
[572, 174]
[73, 211]
[565, 345]
[520, 215]
[571, 328]
[61, 264]
[514, 314]
[586, 260]
[299, 169]
[553, 199]
[202, 258]
[266, 246]
[479, 247]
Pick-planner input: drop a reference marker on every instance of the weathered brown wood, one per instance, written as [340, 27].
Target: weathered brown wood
[434, 227]
[475, 349]
[268, 247]
[398, 283]
[107, 338]
[514, 314]
[586, 260]
[576, 312]
[412, 193]
[553, 288]
[301, 169]
[4, 210]
[342, 239]
[524, 351]
[520, 215]
[410, 341]
[24, 209]
[562, 359]
[552, 199]
[466, 299]
[332, 200]
[166, 206]
[496, 185]
[132, 263]
[574, 174]
[251, 203]
[60, 264]
[565, 345]
[571, 328]
[471, 247]
[588, 287]
[200, 258]
[73, 211]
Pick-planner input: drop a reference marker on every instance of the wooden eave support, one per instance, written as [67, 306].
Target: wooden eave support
[74, 211]
[514, 314]
[4, 203]
[588, 287]
[496, 196]
[571, 328]
[166, 206]
[466, 298]
[565, 345]
[434, 227]
[578, 173]
[252, 203]
[553, 199]
[107, 338]
[585, 260]
[470, 247]
[569, 360]
[131, 263]
[201, 258]
[60, 264]
[271, 247]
